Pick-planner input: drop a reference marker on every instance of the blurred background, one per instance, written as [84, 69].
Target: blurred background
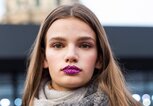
[128, 24]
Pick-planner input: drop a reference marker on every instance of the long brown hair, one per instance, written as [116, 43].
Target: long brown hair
[110, 78]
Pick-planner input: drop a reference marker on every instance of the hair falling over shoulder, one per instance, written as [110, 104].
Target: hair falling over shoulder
[112, 83]
[110, 79]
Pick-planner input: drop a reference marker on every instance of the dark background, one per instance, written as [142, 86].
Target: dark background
[133, 47]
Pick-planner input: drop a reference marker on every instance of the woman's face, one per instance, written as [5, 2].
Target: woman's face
[71, 53]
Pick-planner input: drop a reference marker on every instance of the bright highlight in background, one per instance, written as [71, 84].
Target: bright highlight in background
[5, 102]
[146, 100]
[122, 12]
[136, 97]
[18, 102]
[145, 96]
[2, 8]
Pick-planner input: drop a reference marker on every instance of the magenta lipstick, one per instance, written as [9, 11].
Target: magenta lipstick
[71, 70]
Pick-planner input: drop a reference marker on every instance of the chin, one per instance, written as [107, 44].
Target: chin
[75, 85]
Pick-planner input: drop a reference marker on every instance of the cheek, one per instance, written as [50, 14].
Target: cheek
[54, 58]
[51, 56]
[90, 60]
[53, 63]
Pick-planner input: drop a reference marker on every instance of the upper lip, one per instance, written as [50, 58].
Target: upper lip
[71, 67]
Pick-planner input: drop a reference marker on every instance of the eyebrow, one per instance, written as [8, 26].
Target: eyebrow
[86, 38]
[57, 39]
[79, 39]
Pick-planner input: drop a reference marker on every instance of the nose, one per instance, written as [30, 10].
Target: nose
[71, 55]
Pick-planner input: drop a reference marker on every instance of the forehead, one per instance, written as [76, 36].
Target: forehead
[70, 25]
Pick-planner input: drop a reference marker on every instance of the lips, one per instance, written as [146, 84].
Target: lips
[71, 70]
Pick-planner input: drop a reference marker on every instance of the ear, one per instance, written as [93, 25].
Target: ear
[98, 63]
[45, 63]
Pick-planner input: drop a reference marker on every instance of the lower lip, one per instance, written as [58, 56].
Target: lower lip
[71, 71]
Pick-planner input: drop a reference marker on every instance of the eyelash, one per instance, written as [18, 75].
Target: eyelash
[84, 45]
[57, 45]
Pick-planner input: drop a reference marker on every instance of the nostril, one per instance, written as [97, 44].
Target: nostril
[74, 60]
[67, 60]
[71, 60]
